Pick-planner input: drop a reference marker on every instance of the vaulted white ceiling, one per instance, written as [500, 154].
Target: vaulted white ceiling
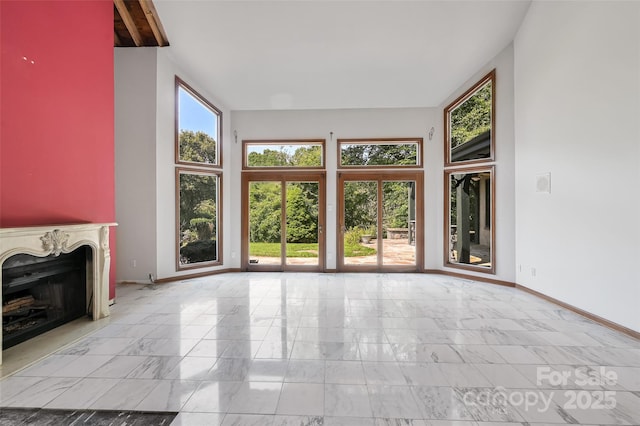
[336, 54]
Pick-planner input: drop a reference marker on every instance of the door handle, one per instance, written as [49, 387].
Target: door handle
[320, 229]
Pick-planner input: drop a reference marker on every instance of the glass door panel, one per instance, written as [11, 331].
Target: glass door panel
[360, 230]
[302, 223]
[282, 221]
[265, 223]
[398, 222]
[380, 217]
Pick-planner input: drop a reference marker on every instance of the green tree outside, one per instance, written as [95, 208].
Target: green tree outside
[303, 156]
[198, 147]
[472, 117]
[198, 224]
[379, 154]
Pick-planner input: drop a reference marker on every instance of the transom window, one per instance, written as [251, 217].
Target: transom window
[198, 128]
[402, 152]
[275, 154]
[469, 123]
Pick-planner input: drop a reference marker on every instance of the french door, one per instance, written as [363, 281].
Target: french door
[380, 217]
[283, 221]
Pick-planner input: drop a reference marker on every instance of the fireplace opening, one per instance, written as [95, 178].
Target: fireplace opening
[41, 293]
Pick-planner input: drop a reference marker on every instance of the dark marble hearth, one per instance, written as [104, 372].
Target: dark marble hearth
[42, 417]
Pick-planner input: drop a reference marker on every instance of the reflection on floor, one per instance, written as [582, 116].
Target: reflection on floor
[341, 349]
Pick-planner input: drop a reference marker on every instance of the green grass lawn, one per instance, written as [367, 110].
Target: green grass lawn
[304, 250]
[355, 250]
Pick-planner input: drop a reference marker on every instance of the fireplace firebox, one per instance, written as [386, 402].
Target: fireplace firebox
[41, 293]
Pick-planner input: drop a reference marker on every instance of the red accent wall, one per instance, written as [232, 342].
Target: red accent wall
[57, 131]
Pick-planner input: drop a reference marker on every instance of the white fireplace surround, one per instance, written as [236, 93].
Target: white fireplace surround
[56, 239]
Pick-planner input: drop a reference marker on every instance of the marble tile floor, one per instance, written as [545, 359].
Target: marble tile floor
[340, 349]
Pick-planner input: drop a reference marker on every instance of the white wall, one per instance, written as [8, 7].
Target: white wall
[503, 135]
[145, 168]
[165, 164]
[135, 156]
[154, 249]
[577, 116]
[401, 122]
[356, 123]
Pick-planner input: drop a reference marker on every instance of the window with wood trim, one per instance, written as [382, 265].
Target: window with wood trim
[469, 124]
[469, 234]
[198, 186]
[283, 154]
[198, 210]
[198, 135]
[387, 153]
[469, 192]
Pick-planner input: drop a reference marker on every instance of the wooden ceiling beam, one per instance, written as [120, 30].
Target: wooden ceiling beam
[154, 22]
[128, 22]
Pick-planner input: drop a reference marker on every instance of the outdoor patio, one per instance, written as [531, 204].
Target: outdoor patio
[395, 252]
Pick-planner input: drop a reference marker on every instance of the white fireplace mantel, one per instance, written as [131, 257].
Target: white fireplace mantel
[56, 239]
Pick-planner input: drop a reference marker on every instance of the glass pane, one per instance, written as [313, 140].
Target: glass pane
[470, 241]
[198, 218]
[379, 154]
[470, 126]
[302, 223]
[398, 223]
[265, 223]
[361, 218]
[284, 155]
[198, 130]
